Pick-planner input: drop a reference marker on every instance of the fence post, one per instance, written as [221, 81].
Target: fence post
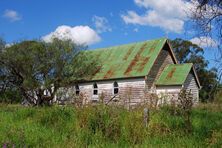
[146, 116]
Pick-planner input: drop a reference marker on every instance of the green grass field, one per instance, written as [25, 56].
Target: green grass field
[107, 127]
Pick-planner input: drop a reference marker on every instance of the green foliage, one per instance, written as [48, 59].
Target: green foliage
[187, 52]
[33, 67]
[103, 126]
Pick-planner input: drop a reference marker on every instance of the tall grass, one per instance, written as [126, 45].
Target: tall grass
[103, 126]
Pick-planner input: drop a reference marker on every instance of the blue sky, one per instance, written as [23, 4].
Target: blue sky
[98, 23]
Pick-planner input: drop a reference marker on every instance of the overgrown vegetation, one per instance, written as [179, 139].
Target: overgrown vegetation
[185, 105]
[105, 126]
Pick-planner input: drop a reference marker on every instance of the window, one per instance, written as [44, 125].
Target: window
[95, 89]
[115, 88]
[77, 89]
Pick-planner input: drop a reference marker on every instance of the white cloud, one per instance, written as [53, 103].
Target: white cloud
[12, 15]
[204, 41]
[9, 45]
[81, 35]
[174, 8]
[151, 18]
[101, 24]
[159, 13]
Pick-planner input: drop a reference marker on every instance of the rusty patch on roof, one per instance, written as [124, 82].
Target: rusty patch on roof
[170, 74]
[137, 57]
[130, 67]
[144, 61]
[128, 53]
[109, 74]
[152, 48]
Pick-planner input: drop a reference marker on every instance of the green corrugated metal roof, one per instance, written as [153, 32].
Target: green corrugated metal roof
[131, 60]
[174, 74]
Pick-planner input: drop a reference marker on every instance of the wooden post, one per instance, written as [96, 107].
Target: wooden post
[146, 116]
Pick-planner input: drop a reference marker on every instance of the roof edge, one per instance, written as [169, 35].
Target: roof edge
[195, 75]
[110, 79]
[172, 52]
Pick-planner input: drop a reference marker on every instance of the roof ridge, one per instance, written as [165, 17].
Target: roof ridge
[127, 44]
[181, 64]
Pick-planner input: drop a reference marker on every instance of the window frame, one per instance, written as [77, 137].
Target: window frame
[95, 89]
[115, 86]
[77, 89]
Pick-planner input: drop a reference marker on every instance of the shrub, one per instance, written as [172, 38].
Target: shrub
[185, 104]
[10, 96]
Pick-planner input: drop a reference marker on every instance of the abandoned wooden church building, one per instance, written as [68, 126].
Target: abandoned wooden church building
[136, 69]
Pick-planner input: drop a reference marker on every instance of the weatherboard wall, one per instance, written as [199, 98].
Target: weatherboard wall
[132, 88]
[191, 85]
[168, 89]
[172, 91]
